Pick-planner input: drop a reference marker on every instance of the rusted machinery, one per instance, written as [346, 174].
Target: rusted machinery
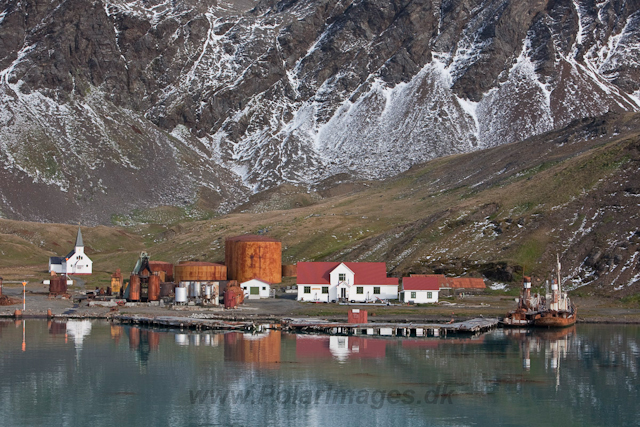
[58, 285]
[233, 295]
[116, 282]
[144, 284]
[253, 257]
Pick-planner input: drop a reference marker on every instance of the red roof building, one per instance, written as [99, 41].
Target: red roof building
[455, 282]
[351, 281]
[420, 289]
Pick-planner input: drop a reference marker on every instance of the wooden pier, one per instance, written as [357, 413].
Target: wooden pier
[194, 323]
[471, 326]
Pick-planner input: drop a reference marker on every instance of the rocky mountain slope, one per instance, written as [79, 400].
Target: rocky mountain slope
[113, 105]
[496, 213]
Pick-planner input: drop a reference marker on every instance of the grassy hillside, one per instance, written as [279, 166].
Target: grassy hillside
[496, 213]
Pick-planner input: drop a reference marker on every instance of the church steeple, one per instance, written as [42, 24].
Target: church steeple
[79, 242]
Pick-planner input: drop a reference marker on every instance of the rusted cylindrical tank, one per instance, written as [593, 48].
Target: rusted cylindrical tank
[58, 285]
[166, 289]
[191, 271]
[167, 267]
[231, 297]
[289, 270]
[253, 257]
[154, 288]
[134, 288]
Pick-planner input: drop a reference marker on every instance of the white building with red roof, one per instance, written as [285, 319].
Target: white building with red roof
[420, 290]
[349, 281]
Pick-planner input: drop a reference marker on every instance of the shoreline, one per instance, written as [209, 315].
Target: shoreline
[262, 319]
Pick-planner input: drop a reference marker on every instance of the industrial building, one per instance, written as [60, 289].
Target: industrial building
[199, 281]
[76, 261]
[256, 289]
[420, 289]
[348, 281]
[456, 285]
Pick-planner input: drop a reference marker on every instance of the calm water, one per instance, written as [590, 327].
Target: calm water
[90, 373]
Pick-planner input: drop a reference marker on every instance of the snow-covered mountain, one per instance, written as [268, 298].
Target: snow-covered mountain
[112, 105]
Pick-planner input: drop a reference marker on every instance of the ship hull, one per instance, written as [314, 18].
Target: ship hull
[555, 320]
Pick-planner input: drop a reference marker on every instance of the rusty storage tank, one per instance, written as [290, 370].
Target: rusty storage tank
[166, 267]
[166, 289]
[134, 288]
[253, 257]
[192, 271]
[154, 288]
[58, 285]
[289, 270]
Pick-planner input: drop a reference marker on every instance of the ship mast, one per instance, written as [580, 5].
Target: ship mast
[558, 271]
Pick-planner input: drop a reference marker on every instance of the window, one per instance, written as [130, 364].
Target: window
[413, 294]
[376, 290]
[342, 277]
[264, 288]
[359, 290]
[429, 295]
[325, 289]
[307, 289]
[254, 290]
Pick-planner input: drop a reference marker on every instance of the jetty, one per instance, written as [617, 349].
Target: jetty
[304, 325]
[470, 326]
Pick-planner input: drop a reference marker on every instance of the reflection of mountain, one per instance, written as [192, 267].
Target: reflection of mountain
[261, 348]
[434, 343]
[3, 324]
[338, 347]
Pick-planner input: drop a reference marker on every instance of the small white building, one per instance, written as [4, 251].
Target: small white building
[349, 281]
[420, 290]
[76, 261]
[256, 289]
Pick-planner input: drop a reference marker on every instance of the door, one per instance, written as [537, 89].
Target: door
[343, 293]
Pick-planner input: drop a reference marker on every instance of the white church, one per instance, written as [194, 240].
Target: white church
[76, 261]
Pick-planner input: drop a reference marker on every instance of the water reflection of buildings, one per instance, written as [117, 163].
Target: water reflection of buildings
[78, 330]
[141, 341]
[262, 348]
[554, 344]
[339, 347]
[195, 339]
